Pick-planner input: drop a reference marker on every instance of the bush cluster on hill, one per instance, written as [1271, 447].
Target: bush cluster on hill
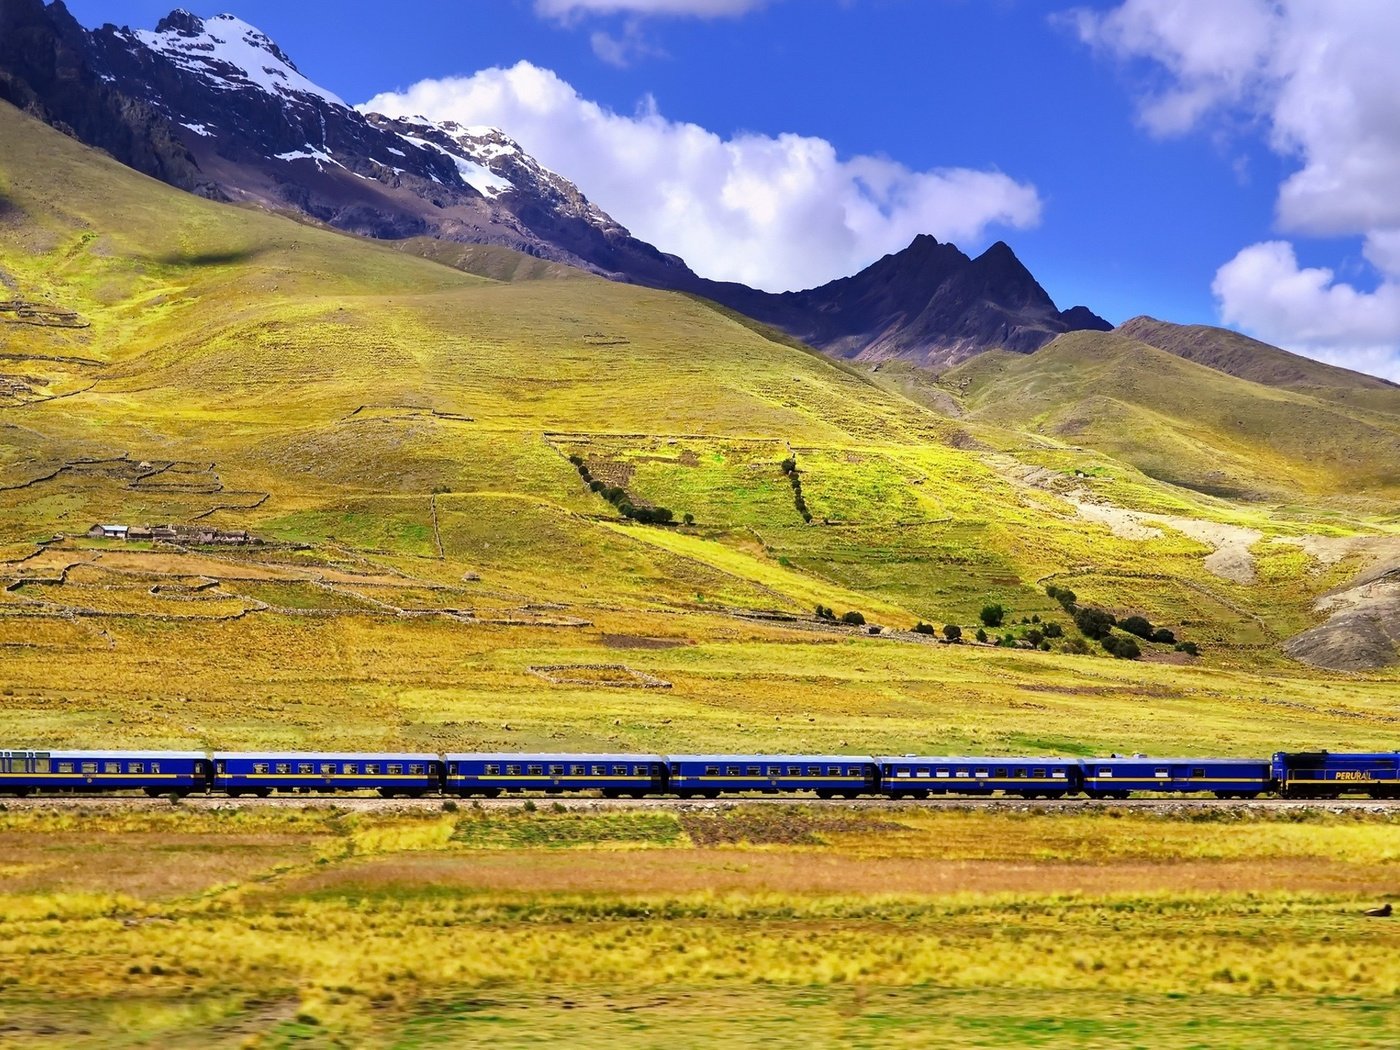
[794, 476]
[617, 496]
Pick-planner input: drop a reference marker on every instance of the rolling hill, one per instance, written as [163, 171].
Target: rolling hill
[1194, 415]
[398, 430]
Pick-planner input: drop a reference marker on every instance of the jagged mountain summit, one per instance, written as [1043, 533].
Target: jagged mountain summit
[929, 303]
[216, 107]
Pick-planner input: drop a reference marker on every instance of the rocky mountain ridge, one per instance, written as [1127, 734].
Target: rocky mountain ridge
[216, 107]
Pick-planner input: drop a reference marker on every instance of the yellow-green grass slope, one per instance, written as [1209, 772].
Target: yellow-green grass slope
[404, 426]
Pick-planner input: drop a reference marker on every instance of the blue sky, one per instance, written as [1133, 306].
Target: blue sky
[1154, 158]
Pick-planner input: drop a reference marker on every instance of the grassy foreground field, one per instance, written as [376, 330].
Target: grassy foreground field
[178, 927]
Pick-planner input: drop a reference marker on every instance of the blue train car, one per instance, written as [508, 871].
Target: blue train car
[1327, 774]
[154, 772]
[262, 773]
[827, 775]
[1223, 777]
[490, 774]
[919, 776]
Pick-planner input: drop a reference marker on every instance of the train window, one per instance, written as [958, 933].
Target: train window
[1018, 774]
[328, 769]
[794, 771]
[833, 771]
[1038, 774]
[577, 771]
[111, 767]
[1001, 773]
[854, 772]
[1105, 771]
[814, 771]
[1198, 772]
[259, 767]
[619, 771]
[775, 771]
[902, 772]
[41, 765]
[600, 771]
[512, 770]
[1162, 774]
[962, 773]
[537, 771]
[136, 767]
[732, 771]
[89, 767]
[712, 771]
[352, 768]
[65, 767]
[922, 773]
[417, 768]
[556, 771]
[396, 768]
[941, 773]
[371, 768]
[1058, 773]
[981, 773]
[284, 767]
[492, 770]
[755, 771]
[306, 767]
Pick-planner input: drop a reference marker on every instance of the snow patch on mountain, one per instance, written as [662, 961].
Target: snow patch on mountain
[477, 176]
[310, 152]
[230, 54]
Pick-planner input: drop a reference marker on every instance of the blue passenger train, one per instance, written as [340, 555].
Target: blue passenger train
[1306, 774]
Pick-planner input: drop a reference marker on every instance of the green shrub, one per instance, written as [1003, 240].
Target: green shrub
[952, 632]
[1127, 649]
[1094, 623]
[992, 615]
[1077, 646]
[1035, 637]
[1190, 648]
[1054, 630]
[1164, 636]
[923, 628]
[825, 612]
[788, 465]
[1138, 625]
[853, 618]
[688, 518]
[981, 635]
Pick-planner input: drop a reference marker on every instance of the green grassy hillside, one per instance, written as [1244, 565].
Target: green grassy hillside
[399, 428]
[1188, 423]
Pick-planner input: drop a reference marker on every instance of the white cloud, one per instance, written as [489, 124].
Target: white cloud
[1322, 77]
[697, 8]
[1264, 290]
[777, 212]
[624, 48]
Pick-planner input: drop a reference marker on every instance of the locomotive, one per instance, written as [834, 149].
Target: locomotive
[1309, 774]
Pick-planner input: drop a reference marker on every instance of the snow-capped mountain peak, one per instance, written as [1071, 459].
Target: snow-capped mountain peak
[228, 52]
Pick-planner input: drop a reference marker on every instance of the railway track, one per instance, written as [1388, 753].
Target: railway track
[575, 804]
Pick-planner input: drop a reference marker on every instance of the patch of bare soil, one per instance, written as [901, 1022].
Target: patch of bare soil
[636, 641]
[615, 675]
[1230, 560]
[1362, 629]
